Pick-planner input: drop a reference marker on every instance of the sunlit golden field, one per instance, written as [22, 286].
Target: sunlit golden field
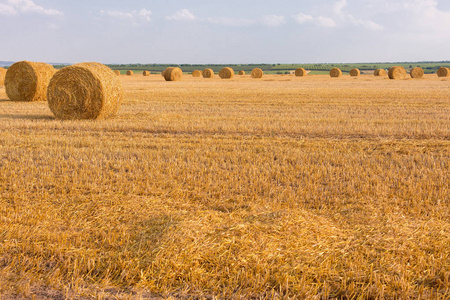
[280, 187]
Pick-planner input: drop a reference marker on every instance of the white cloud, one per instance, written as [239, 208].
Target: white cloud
[182, 15]
[302, 18]
[143, 14]
[16, 7]
[232, 22]
[273, 20]
[325, 22]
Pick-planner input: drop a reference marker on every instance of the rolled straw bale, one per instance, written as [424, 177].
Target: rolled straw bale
[2, 76]
[28, 81]
[130, 73]
[196, 73]
[300, 72]
[117, 72]
[226, 73]
[173, 74]
[145, 73]
[257, 73]
[355, 72]
[416, 72]
[241, 72]
[335, 72]
[379, 72]
[208, 73]
[397, 72]
[443, 72]
[84, 91]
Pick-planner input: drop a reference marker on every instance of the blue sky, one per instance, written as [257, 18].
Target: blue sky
[232, 31]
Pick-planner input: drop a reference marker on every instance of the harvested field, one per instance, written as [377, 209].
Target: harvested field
[240, 188]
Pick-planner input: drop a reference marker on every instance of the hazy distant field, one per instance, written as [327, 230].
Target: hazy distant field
[278, 187]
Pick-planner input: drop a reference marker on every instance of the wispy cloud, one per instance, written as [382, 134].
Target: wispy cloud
[273, 20]
[320, 21]
[141, 15]
[232, 22]
[182, 15]
[17, 7]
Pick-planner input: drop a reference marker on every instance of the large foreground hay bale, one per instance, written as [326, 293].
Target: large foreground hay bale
[84, 91]
[226, 73]
[117, 72]
[2, 76]
[173, 74]
[208, 73]
[257, 73]
[28, 81]
[130, 73]
[379, 72]
[300, 72]
[355, 72]
[443, 72]
[397, 72]
[241, 72]
[416, 72]
[145, 73]
[335, 72]
[196, 73]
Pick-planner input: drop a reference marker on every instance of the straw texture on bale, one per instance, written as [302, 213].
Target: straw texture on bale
[2, 76]
[257, 73]
[300, 72]
[443, 72]
[196, 73]
[28, 81]
[335, 72]
[208, 73]
[84, 91]
[117, 72]
[416, 72]
[145, 73]
[355, 72]
[397, 72]
[241, 72]
[379, 72]
[226, 73]
[173, 74]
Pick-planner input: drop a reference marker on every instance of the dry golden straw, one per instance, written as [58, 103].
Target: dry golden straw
[355, 72]
[173, 74]
[2, 76]
[145, 73]
[28, 81]
[257, 73]
[241, 72]
[226, 73]
[443, 72]
[397, 72]
[196, 73]
[416, 72]
[84, 91]
[208, 73]
[117, 72]
[300, 72]
[129, 73]
[335, 72]
[379, 72]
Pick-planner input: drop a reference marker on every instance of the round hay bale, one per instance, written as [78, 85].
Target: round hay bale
[196, 73]
[2, 76]
[443, 72]
[173, 74]
[397, 72]
[208, 73]
[355, 72]
[241, 72]
[28, 81]
[84, 91]
[226, 73]
[416, 72]
[130, 73]
[145, 73]
[257, 73]
[300, 72]
[335, 72]
[117, 72]
[379, 72]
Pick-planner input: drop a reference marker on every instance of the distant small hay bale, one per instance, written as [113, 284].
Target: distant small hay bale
[130, 73]
[443, 72]
[226, 73]
[241, 72]
[162, 73]
[335, 72]
[84, 91]
[196, 73]
[28, 81]
[117, 72]
[257, 73]
[379, 72]
[208, 73]
[416, 73]
[173, 74]
[397, 72]
[355, 72]
[145, 73]
[2, 76]
[300, 72]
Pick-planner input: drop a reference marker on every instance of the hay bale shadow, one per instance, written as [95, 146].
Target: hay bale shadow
[27, 117]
